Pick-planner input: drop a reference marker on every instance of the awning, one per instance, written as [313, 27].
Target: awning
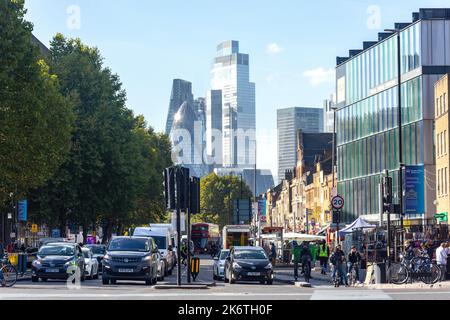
[359, 223]
[302, 237]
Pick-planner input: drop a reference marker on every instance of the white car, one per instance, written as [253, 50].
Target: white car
[162, 267]
[219, 265]
[90, 264]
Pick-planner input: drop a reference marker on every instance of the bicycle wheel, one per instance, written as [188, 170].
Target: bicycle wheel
[10, 275]
[307, 272]
[398, 274]
[432, 273]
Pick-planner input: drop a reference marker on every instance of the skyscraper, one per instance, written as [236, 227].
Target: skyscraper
[214, 145]
[328, 114]
[181, 92]
[289, 121]
[231, 75]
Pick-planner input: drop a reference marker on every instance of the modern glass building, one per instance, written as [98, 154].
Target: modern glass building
[367, 101]
[181, 92]
[289, 121]
[231, 75]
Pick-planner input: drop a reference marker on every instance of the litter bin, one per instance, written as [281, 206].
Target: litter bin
[380, 273]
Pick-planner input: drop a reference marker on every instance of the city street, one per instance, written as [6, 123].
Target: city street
[321, 290]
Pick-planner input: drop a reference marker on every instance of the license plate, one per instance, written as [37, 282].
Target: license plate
[52, 270]
[126, 270]
[254, 274]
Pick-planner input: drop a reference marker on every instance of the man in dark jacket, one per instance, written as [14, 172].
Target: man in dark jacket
[354, 260]
[337, 259]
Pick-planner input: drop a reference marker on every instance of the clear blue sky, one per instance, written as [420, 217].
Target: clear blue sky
[150, 42]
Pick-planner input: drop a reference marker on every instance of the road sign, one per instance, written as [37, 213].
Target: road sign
[195, 267]
[34, 228]
[337, 202]
[441, 217]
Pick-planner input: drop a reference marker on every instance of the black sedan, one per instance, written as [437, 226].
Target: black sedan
[248, 264]
[58, 261]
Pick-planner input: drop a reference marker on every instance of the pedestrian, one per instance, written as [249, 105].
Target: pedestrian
[273, 253]
[296, 253]
[354, 261]
[324, 254]
[441, 259]
[337, 259]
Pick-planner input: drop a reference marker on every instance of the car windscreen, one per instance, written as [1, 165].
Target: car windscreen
[160, 242]
[97, 249]
[250, 254]
[224, 255]
[127, 244]
[56, 251]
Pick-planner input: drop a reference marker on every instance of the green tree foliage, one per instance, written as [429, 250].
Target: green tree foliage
[35, 119]
[113, 175]
[216, 198]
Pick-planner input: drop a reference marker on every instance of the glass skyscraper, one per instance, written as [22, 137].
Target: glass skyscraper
[231, 75]
[181, 92]
[367, 101]
[289, 121]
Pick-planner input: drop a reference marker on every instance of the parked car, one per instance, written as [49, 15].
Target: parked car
[162, 267]
[91, 264]
[131, 258]
[58, 261]
[98, 250]
[219, 264]
[248, 264]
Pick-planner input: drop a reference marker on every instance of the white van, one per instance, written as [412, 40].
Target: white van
[163, 239]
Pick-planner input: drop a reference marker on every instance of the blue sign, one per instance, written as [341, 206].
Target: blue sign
[56, 233]
[414, 188]
[262, 209]
[23, 210]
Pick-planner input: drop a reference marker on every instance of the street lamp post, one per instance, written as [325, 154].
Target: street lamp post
[399, 124]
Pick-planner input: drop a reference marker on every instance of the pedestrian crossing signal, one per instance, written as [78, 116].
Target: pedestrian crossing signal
[195, 267]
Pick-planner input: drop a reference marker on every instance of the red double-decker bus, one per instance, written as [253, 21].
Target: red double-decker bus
[204, 235]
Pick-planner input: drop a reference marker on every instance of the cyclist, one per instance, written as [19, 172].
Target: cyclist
[354, 260]
[183, 253]
[306, 258]
[296, 253]
[337, 259]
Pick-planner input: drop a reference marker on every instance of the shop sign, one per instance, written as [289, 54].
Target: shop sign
[414, 184]
[441, 217]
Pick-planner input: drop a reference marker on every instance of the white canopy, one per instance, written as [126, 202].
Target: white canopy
[302, 237]
[359, 223]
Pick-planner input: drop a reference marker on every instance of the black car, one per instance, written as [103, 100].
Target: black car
[131, 258]
[98, 251]
[58, 261]
[248, 264]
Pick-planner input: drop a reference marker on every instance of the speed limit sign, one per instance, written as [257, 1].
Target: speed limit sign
[337, 202]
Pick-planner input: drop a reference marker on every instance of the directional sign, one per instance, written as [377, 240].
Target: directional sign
[441, 217]
[337, 202]
[195, 267]
[34, 228]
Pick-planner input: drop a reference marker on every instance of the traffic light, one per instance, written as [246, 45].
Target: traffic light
[194, 198]
[169, 188]
[387, 194]
[183, 183]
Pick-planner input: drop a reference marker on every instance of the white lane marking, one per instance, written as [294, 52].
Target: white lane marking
[350, 295]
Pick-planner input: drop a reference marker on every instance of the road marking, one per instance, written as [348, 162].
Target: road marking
[350, 295]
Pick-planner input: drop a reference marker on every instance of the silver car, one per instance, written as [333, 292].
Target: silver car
[219, 265]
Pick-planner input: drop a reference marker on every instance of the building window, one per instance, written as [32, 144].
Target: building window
[444, 102]
[439, 183]
[437, 107]
[445, 181]
[445, 142]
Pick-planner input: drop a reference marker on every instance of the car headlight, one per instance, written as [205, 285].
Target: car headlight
[71, 263]
[147, 258]
[268, 267]
[37, 263]
[106, 258]
[236, 265]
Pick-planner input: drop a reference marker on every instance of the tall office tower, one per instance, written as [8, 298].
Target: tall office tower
[214, 145]
[367, 125]
[289, 121]
[231, 75]
[181, 92]
[186, 140]
[328, 114]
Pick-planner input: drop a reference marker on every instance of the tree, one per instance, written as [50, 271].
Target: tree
[35, 118]
[216, 198]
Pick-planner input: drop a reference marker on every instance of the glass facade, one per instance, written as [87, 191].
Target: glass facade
[367, 123]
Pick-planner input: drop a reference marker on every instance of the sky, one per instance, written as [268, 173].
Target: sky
[292, 44]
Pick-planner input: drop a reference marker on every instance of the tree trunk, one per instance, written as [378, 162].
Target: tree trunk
[107, 233]
[62, 223]
[85, 232]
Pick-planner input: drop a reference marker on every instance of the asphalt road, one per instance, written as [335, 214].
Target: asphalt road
[94, 290]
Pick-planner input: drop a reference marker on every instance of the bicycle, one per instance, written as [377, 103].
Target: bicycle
[9, 272]
[351, 275]
[421, 268]
[307, 269]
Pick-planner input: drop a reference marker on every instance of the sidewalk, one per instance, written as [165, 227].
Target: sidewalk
[415, 285]
[26, 276]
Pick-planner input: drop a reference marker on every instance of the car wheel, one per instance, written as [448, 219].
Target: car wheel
[44, 279]
[34, 279]
[113, 281]
[105, 281]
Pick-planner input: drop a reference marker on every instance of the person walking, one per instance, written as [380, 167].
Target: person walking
[441, 259]
[324, 254]
[354, 261]
[296, 254]
[273, 253]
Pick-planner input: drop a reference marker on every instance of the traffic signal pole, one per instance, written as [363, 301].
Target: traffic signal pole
[189, 245]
